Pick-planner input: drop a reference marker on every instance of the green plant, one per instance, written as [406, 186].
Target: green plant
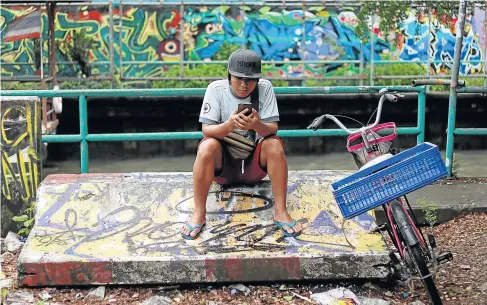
[430, 210]
[36, 51]
[21, 86]
[455, 166]
[27, 220]
[77, 49]
[225, 50]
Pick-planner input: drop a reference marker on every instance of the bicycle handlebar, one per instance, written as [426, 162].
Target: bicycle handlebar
[385, 95]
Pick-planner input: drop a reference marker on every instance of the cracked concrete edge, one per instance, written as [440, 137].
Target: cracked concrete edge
[331, 267]
[443, 213]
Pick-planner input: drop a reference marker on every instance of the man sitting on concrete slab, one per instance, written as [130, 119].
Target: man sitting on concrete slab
[240, 146]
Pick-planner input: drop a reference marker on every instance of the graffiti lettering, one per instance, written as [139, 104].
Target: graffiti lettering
[20, 140]
[150, 34]
[233, 225]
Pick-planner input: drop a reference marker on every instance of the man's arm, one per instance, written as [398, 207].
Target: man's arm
[265, 129]
[269, 114]
[218, 131]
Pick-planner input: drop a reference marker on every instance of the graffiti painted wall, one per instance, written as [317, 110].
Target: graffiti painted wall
[154, 36]
[20, 149]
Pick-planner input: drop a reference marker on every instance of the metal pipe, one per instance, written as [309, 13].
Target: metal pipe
[223, 62]
[429, 45]
[112, 42]
[239, 3]
[398, 61]
[424, 82]
[52, 40]
[155, 136]
[95, 77]
[361, 65]
[303, 42]
[181, 43]
[371, 76]
[472, 90]
[42, 57]
[485, 40]
[471, 131]
[201, 91]
[61, 138]
[57, 62]
[188, 135]
[421, 115]
[220, 77]
[452, 106]
[264, 62]
[83, 130]
[120, 41]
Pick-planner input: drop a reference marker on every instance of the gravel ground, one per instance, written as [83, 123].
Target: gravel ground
[461, 282]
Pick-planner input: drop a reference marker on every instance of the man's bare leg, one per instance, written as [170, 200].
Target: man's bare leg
[272, 156]
[208, 158]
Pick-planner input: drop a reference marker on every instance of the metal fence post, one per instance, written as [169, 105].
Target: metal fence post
[421, 114]
[83, 130]
[428, 68]
[303, 44]
[361, 65]
[452, 107]
[120, 41]
[181, 45]
[112, 68]
[485, 46]
[371, 76]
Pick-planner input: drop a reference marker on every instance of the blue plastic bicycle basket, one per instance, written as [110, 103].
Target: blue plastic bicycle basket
[388, 180]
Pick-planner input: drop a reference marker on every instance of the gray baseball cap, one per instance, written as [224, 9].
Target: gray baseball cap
[245, 63]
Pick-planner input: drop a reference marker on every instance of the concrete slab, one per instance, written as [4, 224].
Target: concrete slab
[106, 229]
[450, 199]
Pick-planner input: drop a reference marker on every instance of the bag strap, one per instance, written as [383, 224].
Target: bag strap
[254, 100]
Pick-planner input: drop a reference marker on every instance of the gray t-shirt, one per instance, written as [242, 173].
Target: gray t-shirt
[219, 103]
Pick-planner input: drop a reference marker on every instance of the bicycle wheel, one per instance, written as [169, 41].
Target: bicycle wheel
[417, 261]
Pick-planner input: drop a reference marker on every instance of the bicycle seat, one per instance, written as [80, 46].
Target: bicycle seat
[377, 160]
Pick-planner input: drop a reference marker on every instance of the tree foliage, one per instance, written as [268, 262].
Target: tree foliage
[393, 13]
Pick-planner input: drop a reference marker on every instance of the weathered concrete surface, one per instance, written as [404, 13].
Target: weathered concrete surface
[125, 229]
[20, 148]
[450, 199]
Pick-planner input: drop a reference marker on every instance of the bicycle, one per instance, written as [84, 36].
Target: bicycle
[384, 178]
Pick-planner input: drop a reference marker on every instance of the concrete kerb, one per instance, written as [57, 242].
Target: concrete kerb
[125, 229]
[446, 200]
[115, 229]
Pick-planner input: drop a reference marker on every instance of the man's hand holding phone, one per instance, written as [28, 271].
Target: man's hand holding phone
[244, 117]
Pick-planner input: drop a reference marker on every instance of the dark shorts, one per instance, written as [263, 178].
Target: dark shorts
[231, 172]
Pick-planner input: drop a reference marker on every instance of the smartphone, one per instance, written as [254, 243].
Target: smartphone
[241, 107]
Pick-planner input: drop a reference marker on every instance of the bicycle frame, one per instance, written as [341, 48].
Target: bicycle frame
[372, 150]
[413, 250]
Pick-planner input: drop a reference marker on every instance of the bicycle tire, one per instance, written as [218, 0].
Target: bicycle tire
[415, 251]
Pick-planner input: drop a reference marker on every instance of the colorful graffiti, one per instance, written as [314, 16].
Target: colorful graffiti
[138, 217]
[152, 36]
[20, 148]
[414, 44]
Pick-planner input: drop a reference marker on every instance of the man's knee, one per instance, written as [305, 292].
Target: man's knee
[273, 147]
[209, 148]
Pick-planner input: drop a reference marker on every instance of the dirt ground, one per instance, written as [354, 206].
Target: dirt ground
[461, 282]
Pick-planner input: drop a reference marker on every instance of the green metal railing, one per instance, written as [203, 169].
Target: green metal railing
[452, 130]
[84, 136]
